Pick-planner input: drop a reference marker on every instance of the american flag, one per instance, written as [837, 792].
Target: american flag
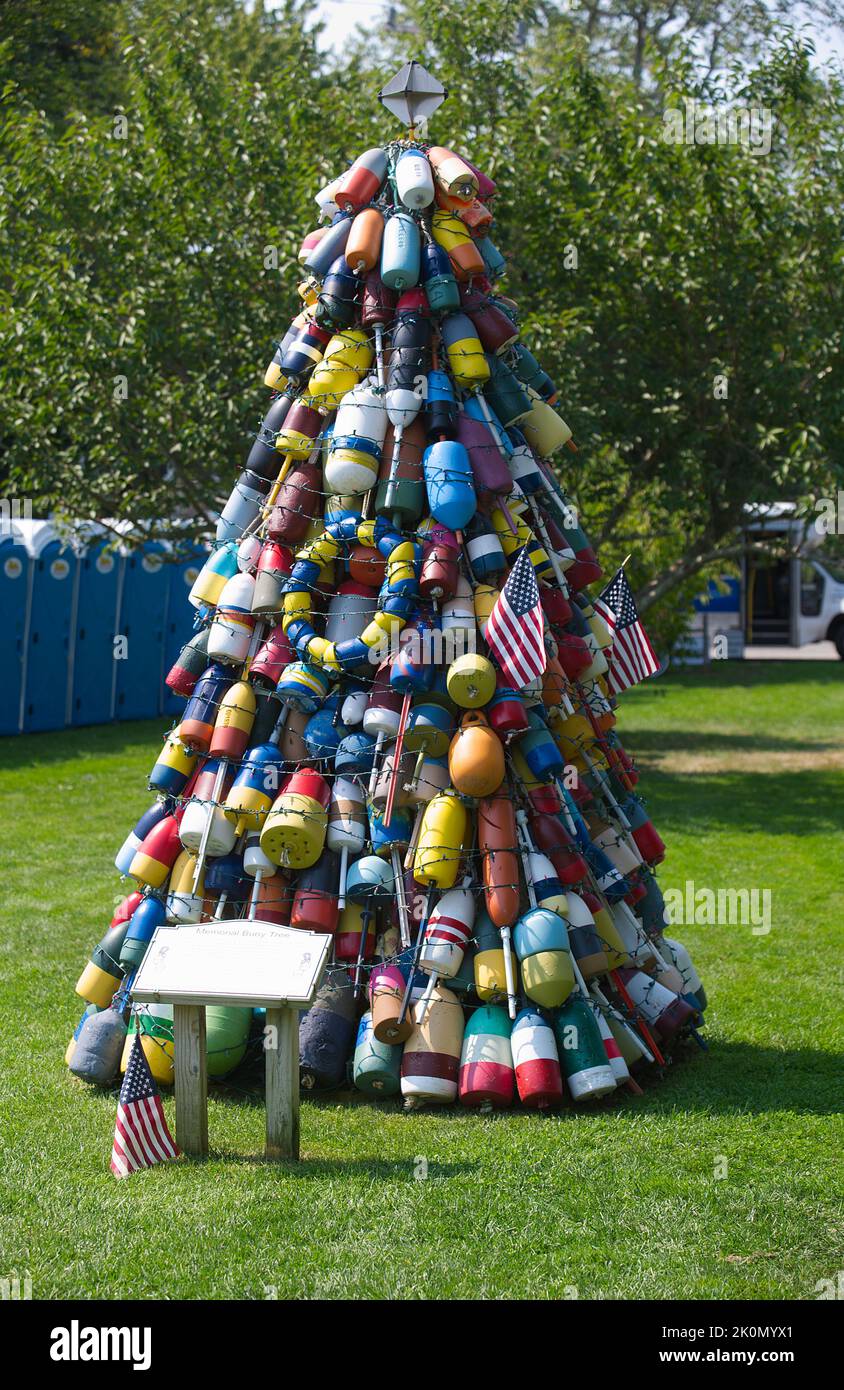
[514, 629]
[633, 657]
[141, 1136]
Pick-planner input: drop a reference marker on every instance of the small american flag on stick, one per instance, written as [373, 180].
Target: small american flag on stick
[141, 1136]
[514, 630]
[633, 657]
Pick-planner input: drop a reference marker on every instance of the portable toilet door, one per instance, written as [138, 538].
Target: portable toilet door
[139, 656]
[97, 585]
[178, 627]
[15, 591]
[48, 645]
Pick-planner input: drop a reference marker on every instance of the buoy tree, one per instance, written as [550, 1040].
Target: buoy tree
[401, 693]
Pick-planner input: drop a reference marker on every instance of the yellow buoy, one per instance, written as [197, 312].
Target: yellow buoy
[155, 1025]
[544, 430]
[440, 846]
[348, 357]
[485, 600]
[548, 978]
[471, 681]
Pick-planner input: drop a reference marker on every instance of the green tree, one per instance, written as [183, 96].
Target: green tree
[64, 55]
[148, 264]
[625, 38]
[687, 298]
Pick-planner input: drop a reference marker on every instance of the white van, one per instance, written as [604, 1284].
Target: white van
[797, 599]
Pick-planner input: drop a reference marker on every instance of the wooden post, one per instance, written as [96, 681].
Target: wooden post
[283, 1083]
[191, 1067]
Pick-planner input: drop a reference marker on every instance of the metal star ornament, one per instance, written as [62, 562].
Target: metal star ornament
[413, 94]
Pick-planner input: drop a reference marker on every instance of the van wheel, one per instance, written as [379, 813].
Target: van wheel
[838, 639]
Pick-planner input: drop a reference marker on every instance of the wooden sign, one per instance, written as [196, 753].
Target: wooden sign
[250, 965]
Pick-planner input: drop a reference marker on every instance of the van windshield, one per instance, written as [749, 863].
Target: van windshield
[834, 568]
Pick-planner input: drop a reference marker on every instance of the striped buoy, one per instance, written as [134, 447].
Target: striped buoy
[692, 983]
[618, 1065]
[607, 932]
[347, 939]
[431, 1059]
[667, 1011]
[386, 992]
[486, 1059]
[586, 945]
[448, 933]
[538, 1076]
[583, 1057]
[184, 902]
[546, 884]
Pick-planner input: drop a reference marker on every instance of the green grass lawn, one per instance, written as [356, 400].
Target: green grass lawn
[745, 780]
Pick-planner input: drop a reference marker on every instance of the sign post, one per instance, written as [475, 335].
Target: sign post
[191, 1067]
[282, 1084]
[246, 964]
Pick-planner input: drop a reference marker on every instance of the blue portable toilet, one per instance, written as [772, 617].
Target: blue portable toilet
[47, 657]
[723, 596]
[15, 576]
[180, 616]
[93, 664]
[141, 619]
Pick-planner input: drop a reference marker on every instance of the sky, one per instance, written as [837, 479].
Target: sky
[342, 16]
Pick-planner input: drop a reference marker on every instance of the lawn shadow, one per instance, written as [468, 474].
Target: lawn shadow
[732, 1076]
[775, 803]
[742, 1077]
[744, 675]
[64, 745]
[312, 1168]
[673, 739]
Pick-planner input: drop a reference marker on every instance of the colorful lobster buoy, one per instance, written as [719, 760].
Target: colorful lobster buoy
[487, 1073]
[326, 1033]
[376, 1069]
[448, 934]
[475, 757]
[581, 1049]
[294, 832]
[539, 1079]
[386, 992]
[99, 1045]
[541, 941]
[441, 838]
[430, 1064]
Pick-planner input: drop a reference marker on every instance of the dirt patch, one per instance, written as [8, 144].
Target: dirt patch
[747, 760]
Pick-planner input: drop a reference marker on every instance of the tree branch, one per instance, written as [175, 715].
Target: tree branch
[684, 568]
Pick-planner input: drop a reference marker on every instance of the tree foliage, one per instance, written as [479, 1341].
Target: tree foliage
[654, 276]
[148, 264]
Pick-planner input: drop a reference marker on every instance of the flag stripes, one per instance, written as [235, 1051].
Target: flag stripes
[514, 631]
[141, 1136]
[633, 657]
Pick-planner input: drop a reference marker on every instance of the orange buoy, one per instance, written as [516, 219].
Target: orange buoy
[364, 245]
[498, 842]
[476, 757]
